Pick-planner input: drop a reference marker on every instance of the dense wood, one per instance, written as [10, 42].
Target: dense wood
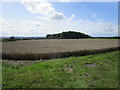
[68, 35]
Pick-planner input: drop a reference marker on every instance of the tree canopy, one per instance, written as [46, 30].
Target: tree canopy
[68, 35]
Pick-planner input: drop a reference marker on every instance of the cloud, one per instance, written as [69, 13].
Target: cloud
[71, 18]
[36, 23]
[43, 8]
[30, 28]
[82, 21]
[57, 16]
[11, 26]
[93, 28]
[43, 18]
[2, 20]
[42, 27]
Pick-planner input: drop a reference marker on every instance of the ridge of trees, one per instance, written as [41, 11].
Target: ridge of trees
[68, 35]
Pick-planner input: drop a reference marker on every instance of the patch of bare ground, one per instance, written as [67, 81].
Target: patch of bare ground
[21, 63]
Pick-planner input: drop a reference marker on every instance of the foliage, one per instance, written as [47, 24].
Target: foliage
[68, 35]
[12, 38]
[117, 37]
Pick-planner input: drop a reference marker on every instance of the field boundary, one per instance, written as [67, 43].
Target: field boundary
[47, 56]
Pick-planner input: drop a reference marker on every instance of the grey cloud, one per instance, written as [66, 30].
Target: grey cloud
[11, 27]
[110, 28]
[57, 16]
[32, 30]
[37, 24]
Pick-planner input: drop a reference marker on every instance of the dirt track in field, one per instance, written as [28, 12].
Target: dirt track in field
[56, 45]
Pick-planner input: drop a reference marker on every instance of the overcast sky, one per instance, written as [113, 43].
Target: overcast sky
[41, 18]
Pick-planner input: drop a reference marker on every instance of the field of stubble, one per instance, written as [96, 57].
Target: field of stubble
[55, 48]
[56, 45]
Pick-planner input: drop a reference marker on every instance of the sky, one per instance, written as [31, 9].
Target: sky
[98, 19]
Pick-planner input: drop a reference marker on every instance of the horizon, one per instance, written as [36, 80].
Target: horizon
[51, 34]
[37, 19]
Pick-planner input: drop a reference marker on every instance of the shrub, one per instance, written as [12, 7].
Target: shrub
[12, 38]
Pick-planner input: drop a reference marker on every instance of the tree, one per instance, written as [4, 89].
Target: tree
[68, 35]
[12, 38]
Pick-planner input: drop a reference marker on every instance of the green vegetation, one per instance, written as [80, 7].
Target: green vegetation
[0, 74]
[71, 72]
[115, 37]
[12, 38]
[67, 35]
[63, 35]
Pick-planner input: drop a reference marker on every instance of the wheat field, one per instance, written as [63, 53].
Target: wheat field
[55, 48]
[56, 45]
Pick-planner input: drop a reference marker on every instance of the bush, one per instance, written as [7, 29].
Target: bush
[12, 38]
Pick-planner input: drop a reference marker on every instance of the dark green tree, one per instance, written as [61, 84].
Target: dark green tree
[68, 35]
[12, 38]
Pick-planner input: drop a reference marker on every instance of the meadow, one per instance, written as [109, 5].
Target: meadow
[92, 71]
[55, 48]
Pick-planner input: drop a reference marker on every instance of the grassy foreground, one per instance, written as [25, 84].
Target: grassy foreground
[65, 73]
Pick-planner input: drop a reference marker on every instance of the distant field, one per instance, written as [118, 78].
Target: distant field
[54, 48]
[56, 45]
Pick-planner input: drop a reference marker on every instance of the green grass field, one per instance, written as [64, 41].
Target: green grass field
[93, 71]
[0, 74]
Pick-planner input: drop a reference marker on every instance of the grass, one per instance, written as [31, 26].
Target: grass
[65, 73]
[0, 74]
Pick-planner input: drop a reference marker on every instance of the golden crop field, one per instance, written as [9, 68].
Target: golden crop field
[56, 45]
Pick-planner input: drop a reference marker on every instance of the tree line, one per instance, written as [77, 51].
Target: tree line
[68, 35]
